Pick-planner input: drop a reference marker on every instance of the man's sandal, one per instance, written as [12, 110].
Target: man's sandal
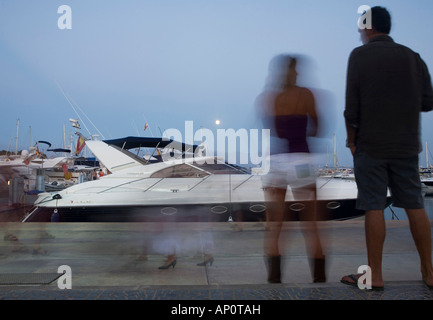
[354, 282]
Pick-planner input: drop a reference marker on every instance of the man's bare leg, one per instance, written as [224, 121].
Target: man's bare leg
[375, 231]
[420, 228]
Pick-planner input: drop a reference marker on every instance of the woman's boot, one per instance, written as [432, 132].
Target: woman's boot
[317, 266]
[273, 265]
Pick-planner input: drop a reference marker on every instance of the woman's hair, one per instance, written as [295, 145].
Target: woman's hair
[278, 70]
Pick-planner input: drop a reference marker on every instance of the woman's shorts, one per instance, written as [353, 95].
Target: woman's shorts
[289, 169]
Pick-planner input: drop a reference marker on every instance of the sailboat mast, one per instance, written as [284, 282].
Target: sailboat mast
[327, 155]
[335, 152]
[16, 142]
[64, 136]
[30, 137]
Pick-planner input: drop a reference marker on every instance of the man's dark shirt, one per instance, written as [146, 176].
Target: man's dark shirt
[388, 85]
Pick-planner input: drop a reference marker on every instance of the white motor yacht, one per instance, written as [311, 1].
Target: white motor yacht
[184, 188]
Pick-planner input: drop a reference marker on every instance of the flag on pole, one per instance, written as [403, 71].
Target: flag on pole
[32, 156]
[81, 142]
[65, 168]
[29, 159]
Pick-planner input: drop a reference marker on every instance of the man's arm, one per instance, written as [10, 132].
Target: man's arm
[427, 94]
[351, 112]
[351, 137]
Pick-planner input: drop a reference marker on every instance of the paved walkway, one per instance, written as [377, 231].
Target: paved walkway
[106, 262]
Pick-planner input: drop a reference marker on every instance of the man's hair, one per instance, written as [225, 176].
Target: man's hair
[381, 19]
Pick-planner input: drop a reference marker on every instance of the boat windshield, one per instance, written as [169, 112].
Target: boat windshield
[221, 168]
[196, 170]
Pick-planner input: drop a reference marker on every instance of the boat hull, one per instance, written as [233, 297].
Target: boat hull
[211, 212]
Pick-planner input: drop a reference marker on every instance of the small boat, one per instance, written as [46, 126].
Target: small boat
[58, 171]
[427, 185]
[26, 164]
[178, 183]
[426, 177]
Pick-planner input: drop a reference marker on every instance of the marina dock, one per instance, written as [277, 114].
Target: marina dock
[107, 263]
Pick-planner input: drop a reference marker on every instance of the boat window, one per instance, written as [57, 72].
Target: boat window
[179, 171]
[221, 168]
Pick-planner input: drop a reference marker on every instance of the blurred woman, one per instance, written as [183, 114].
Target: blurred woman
[289, 111]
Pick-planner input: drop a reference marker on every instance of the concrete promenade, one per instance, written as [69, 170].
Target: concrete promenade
[107, 262]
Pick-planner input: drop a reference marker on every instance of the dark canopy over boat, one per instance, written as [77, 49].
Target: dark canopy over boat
[147, 142]
[59, 150]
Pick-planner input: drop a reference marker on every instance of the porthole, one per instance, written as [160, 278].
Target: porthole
[297, 206]
[219, 209]
[257, 208]
[168, 211]
[333, 205]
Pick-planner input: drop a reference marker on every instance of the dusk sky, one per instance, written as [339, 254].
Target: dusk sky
[164, 62]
